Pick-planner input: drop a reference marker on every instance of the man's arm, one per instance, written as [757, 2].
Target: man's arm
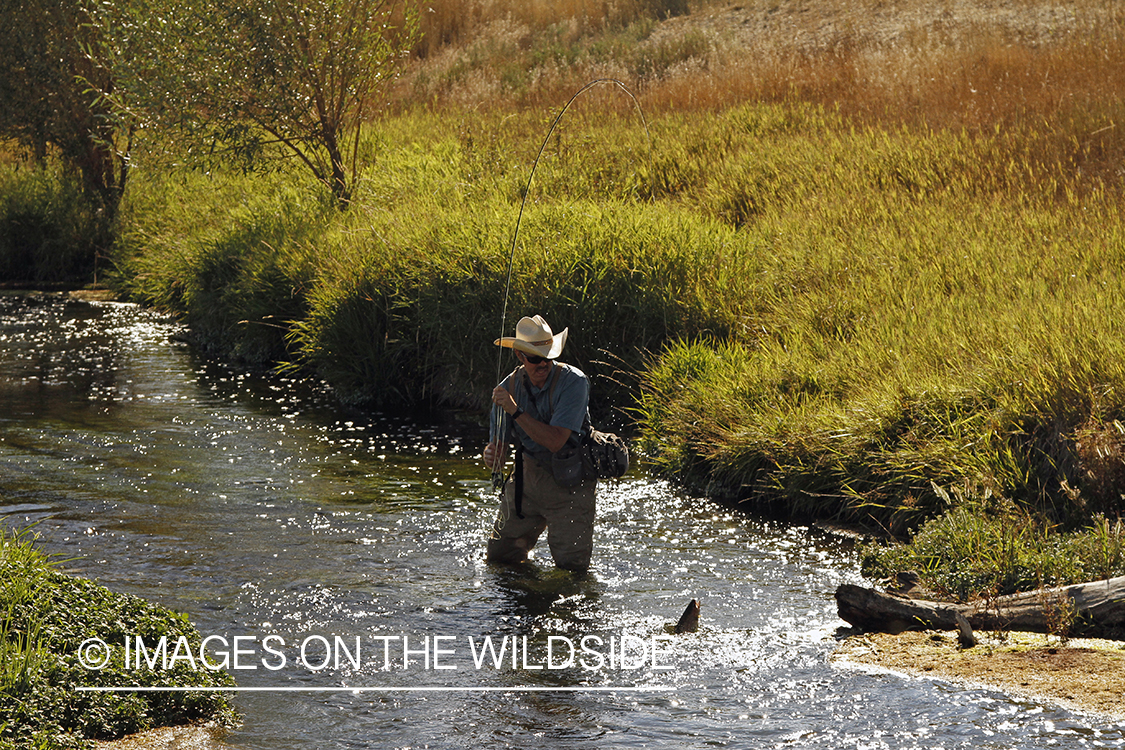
[551, 437]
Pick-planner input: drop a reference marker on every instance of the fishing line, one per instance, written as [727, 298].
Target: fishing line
[499, 415]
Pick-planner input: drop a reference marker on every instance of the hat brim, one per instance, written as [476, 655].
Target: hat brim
[551, 350]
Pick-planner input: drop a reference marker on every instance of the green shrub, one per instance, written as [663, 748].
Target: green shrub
[984, 549]
[44, 617]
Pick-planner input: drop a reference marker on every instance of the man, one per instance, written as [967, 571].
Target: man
[543, 408]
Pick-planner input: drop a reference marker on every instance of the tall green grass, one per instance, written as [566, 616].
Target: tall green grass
[905, 346]
[817, 316]
[987, 547]
[398, 299]
[415, 321]
[21, 650]
[233, 256]
[49, 234]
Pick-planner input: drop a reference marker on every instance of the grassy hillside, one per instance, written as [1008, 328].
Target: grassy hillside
[856, 260]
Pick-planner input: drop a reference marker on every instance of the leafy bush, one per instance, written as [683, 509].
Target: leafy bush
[45, 616]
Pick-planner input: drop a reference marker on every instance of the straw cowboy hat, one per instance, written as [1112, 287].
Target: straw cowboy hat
[534, 336]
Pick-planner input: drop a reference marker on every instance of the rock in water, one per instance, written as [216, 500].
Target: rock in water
[689, 620]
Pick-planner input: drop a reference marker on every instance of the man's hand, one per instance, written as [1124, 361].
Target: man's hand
[551, 437]
[503, 398]
[494, 456]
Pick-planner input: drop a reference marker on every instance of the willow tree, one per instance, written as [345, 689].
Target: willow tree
[242, 76]
[52, 64]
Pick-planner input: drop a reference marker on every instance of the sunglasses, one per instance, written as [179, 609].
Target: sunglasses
[531, 359]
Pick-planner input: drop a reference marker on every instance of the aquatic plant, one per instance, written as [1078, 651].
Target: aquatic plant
[45, 616]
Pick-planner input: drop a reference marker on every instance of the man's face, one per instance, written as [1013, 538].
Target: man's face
[537, 368]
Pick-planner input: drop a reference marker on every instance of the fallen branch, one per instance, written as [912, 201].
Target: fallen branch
[1092, 609]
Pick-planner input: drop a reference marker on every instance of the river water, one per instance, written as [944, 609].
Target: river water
[282, 524]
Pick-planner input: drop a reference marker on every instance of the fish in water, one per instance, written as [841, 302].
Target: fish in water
[689, 620]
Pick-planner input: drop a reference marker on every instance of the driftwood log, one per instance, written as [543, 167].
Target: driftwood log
[1092, 609]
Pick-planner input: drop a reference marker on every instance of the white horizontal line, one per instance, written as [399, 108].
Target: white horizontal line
[361, 689]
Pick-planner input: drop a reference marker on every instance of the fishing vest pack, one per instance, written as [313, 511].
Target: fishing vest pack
[593, 455]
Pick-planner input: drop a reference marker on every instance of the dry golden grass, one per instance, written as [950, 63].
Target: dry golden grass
[1055, 66]
[456, 23]
[976, 64]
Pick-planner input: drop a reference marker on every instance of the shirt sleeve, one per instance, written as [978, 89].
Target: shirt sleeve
[571, 401]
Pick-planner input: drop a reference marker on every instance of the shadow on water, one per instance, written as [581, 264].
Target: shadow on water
[533, 590]
[260, 508]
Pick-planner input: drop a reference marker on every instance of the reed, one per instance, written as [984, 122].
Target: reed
[48, 233]
[868, 270]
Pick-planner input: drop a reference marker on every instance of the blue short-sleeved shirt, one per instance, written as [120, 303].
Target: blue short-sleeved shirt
[561, 404]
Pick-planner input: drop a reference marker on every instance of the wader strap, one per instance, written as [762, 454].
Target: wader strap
[520, 377]
[517, 494]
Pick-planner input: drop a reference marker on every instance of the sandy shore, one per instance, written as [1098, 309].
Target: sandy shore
[170, 738]
[1082, 675]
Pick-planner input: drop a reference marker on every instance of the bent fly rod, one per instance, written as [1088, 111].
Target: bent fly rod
[497, 421]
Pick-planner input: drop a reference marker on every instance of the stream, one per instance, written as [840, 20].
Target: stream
[289, 527]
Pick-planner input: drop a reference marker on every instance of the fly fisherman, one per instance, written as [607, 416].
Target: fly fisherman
[543, 409]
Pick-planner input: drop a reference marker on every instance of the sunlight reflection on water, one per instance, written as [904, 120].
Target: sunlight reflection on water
[258, 507]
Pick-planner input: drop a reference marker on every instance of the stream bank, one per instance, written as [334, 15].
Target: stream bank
[1080, 674]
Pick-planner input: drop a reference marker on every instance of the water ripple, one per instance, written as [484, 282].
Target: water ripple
[261, 509]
